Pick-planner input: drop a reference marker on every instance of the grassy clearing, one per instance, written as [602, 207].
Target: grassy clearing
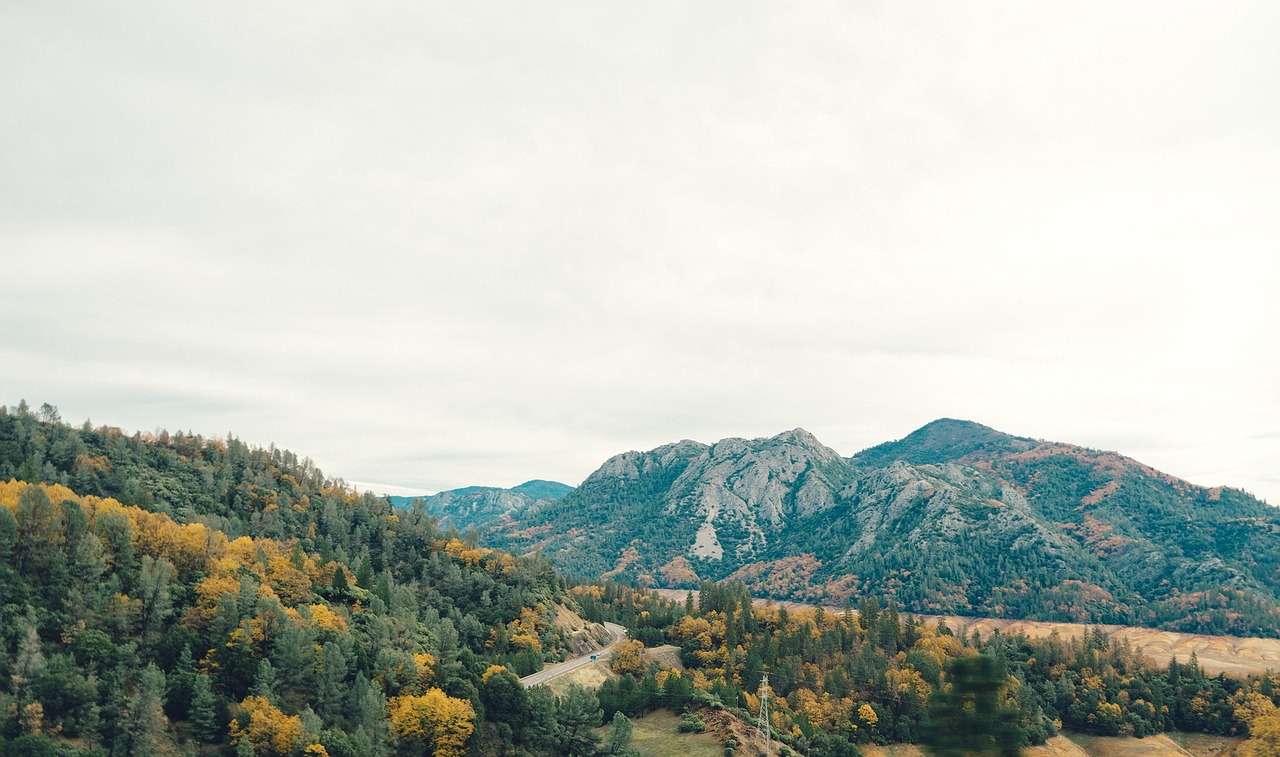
[655, 735]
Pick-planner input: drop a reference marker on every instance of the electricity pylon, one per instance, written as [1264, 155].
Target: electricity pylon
[762, 722]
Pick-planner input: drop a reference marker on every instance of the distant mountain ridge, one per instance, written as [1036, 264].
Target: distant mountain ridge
[470, 506]
[955, 517]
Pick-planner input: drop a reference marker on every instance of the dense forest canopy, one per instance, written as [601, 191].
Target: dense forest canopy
[173, 588]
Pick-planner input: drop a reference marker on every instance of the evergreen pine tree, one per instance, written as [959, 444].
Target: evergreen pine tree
[364, 574]
[144, 719]
[264, 683]
[206, 712]
[8, 533]
[578, 711]
[619, 741]
[181, 686]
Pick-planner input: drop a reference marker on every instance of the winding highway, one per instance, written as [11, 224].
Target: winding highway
[559, 669]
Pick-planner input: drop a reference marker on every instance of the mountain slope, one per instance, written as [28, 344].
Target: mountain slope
[470, 506]
[953, 518]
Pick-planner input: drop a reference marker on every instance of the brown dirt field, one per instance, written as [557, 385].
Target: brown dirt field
[667, 655]
[1233, 655]
[892, 750]
[723, 726]
[588, 676]
[1204, 745]
[1080, 745]
[1058, 746]
[1120, 746]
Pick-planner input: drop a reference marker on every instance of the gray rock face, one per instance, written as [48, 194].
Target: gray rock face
[465, 507]
[631, 466]
[753, 488]
[744, 494]
[918, 506]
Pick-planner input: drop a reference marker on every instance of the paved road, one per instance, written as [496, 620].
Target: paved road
[557, 670]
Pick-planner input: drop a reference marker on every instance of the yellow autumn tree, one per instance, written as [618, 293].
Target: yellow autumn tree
[524, 630]
[269, 731]
[436, 720]
[465, 553]
[816, 708]
[629, 659]
[1251, 705]
[908, 684]
[425, 666]
[690, 627]
[292, 583]
[1264, 738]
[324, 618]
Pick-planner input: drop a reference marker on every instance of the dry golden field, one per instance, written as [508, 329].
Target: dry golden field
[1233, 655]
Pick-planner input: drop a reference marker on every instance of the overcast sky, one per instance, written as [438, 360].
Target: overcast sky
[438, 244]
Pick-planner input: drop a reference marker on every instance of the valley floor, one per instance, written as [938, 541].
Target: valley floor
[1233, 655]
[1080, 745]
[655, 735]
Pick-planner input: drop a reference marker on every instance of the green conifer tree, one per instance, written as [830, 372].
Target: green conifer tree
[144, 720]
[206, 713]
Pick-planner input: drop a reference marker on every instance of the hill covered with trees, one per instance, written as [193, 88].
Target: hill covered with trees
[165, 591]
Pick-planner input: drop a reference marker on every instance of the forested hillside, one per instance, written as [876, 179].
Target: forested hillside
[956, 518]
[840, 679]
[162, 592]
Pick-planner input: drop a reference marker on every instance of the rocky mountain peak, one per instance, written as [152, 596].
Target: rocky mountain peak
[751, 488]
[798, 436]
[633, 464]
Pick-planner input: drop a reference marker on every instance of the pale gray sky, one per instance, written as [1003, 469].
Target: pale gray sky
[439, 244]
